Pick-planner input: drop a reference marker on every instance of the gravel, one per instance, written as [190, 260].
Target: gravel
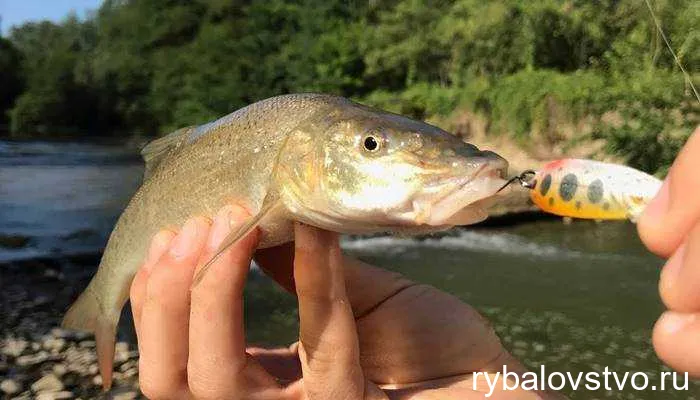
[10, 386]
[38, 359]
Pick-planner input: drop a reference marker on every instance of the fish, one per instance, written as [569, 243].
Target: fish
[317, 159]
[590, 189]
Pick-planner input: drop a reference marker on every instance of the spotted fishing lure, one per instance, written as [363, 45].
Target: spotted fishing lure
[590, 189]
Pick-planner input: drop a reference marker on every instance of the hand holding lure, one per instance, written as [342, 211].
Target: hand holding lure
[589, 189]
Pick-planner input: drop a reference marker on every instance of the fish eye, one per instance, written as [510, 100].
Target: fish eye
[371, 143]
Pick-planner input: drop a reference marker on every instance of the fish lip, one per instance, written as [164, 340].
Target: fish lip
[489, 177]
[419, 210]
[486, 170]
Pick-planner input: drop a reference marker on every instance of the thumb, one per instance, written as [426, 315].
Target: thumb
[328, 348]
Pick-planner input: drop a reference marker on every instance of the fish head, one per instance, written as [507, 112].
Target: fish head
[365, 170]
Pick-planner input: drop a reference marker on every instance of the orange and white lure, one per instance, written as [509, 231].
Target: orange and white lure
[590, 189]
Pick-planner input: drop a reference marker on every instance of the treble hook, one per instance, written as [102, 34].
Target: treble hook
[524, 178]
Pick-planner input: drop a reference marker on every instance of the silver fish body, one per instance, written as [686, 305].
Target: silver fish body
[304, 157]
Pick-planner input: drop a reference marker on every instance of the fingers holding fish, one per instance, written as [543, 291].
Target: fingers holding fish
[217, 357]
[163, 338]
[329, 346]
[159, 245]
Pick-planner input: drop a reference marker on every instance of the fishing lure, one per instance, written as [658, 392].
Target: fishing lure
[590, 189]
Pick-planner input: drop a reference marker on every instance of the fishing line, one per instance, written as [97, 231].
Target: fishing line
[686, 75]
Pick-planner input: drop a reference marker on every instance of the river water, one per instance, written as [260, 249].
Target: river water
[575, 297]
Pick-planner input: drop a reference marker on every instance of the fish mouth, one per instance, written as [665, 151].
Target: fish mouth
[462, 201]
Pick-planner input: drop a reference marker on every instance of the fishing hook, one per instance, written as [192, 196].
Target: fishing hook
[525, 179]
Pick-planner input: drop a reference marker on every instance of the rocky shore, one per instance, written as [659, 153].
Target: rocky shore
[38, 360]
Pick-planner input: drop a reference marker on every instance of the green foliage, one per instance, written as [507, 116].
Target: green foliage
[657, 116]
[520, 100]
[10, 79]
[59, 95]
[149, 66]
[420, 100]
[645, 139]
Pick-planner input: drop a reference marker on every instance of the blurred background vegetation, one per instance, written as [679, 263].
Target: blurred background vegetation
[542, 73]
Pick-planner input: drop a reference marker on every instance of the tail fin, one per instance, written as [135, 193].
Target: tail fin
[87, 315]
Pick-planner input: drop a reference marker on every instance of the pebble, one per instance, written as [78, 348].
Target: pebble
[10, 386]
[59, 370]
[87, 344]
[130, 373]
[53, 345]
[47, 383]
[41, 361]
[129, 365]
[121, 347]
[55, 396]
[32, 359]
[74, 336]
[14, 347]
[124, 394]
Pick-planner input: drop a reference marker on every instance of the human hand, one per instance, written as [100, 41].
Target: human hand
[403, 341]
[416, 342]
[670, 227]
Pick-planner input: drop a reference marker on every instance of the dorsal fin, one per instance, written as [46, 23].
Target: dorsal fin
[154, 152]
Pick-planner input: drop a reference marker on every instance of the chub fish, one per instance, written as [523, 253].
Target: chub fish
[318, 159]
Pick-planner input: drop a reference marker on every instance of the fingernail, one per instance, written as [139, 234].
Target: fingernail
[673, 322]
[221, 227]
[159, 245]
[658, 206]
[184, 242]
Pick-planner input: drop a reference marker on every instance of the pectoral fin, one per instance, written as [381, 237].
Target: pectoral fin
[236, 235]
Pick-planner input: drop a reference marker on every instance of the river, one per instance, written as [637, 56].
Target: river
[574, 297]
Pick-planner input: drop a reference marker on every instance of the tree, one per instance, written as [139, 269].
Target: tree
[58, 95]
[10, 80]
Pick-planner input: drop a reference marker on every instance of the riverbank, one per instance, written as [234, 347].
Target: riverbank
[38, 360]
